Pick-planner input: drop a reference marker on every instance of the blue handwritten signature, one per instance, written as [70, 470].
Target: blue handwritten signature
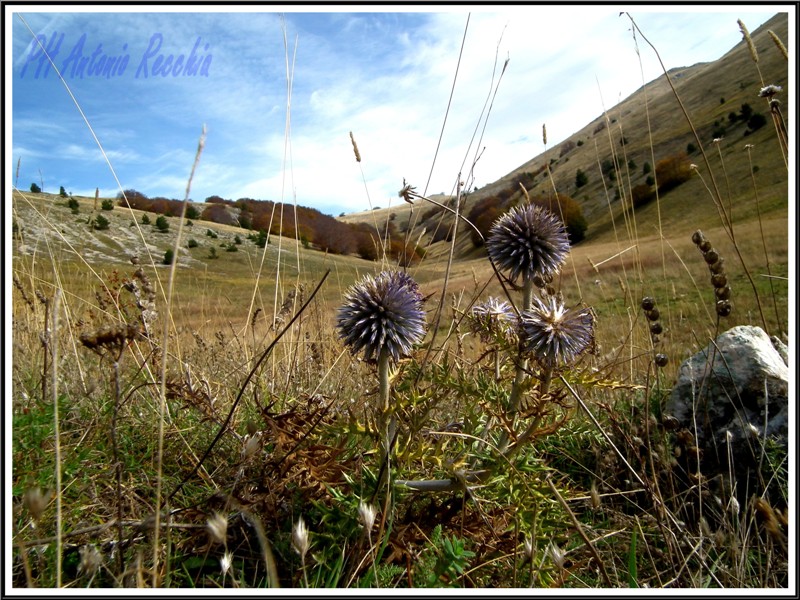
[81, 62]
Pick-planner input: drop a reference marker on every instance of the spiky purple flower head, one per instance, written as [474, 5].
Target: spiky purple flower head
[554, 333]
[528, 240]
[493, 318]
[382, 314]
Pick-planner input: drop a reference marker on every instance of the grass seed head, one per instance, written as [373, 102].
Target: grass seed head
[750, 45]
[217, 527]
[300, 538]
[778, 44]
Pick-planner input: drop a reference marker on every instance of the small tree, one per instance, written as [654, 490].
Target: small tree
[145, 220]
[62, 192]
[646, 168]
[756, 121]
[191, 212]
[162, 224]
[212, 252]
[35, 189]
[107, 204]
[581, 179]
[100, 222]
[74, 205]
[169, 256]
[192, 243]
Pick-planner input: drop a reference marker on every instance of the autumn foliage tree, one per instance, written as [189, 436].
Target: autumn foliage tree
[673, 171]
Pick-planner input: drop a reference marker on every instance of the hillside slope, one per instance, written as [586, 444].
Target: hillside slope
[635, 135]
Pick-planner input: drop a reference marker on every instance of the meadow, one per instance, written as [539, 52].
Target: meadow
[212, 423]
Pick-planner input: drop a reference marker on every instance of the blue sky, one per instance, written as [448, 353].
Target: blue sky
[384, 73]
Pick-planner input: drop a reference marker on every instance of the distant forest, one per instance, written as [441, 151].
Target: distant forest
[313, 228]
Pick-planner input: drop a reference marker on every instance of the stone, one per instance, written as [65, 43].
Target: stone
[734, 395]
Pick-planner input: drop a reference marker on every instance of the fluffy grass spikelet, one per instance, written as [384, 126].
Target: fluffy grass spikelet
[382, 314]
[555, 334]
[527, 241]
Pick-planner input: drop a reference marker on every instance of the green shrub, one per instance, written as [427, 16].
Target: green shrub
[211, 234]
[162, 224]
[36, 189]
[212, 253]
[145, 220]
[192, 243]
[581, 179]
[192, 213]
[62, 192]
[107, 205]
[100, 222]
[169, 256]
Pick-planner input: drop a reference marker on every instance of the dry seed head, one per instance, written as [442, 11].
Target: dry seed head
[91, 559]
[300, 538]
[724, 308]
[217, 527]
[557, 555]
[656, 328]
[653, 314]
[711, 256]
[648, 303]
[719, 280]
[355, 147]
[769, 91]
[595, 496]
[717, 267]
[723, 293]
[661, 360]
[366, 516]
[698, 237]
[225, 562]
[251, 445]
[750, 45]
[778, 44]
[529, 548]
[36, 501]
[544, 134]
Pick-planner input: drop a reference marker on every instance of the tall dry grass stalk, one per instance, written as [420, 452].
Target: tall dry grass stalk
[167, 325]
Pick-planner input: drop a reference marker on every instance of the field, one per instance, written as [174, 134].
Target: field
[174, 423]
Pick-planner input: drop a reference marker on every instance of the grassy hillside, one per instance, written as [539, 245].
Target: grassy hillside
[654, 128]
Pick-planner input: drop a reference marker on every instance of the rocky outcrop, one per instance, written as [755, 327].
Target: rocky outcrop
[733, 397]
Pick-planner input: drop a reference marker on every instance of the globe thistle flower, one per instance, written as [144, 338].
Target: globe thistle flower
[554, 333]
[526, 241]
[492, 319]
[382, 314]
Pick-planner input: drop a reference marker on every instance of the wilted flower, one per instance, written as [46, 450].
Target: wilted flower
[382, 314]
[555, 333]
[300, 538]
[528, 240]
[492, 318]
[769, 91]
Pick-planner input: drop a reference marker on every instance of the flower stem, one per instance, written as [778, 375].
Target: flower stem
[522, 365]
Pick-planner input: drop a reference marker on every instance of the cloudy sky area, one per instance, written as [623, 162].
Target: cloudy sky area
[385, 76]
